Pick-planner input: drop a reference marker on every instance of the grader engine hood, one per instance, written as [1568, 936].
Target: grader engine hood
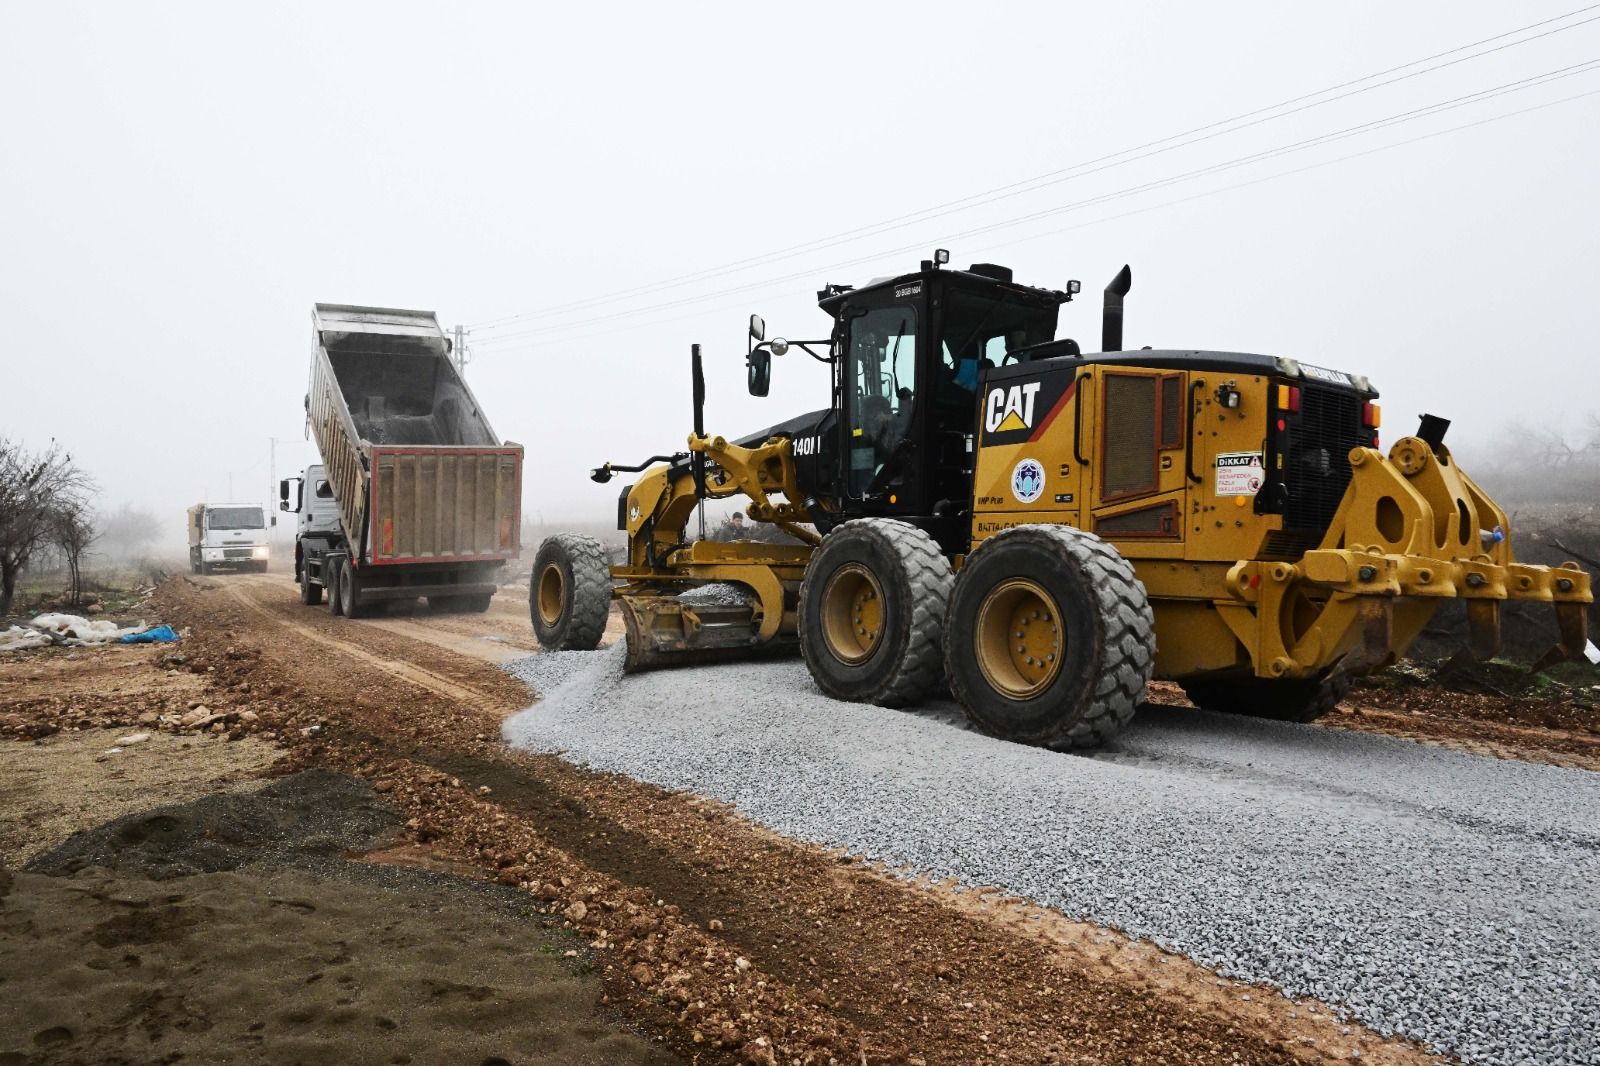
[1411, 529]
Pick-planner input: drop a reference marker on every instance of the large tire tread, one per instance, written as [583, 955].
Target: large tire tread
[588, 592]
[1128, 622]
[920, 667]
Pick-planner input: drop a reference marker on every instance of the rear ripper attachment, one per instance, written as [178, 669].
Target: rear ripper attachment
[1049, 529]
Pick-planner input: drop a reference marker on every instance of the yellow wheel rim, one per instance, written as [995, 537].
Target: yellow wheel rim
[852, 614]
[1020, 640]
[552, 594]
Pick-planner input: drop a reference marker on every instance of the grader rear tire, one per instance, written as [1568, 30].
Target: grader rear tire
[1303, 700]
[871, 613]
[1050, 638]
[569, 593]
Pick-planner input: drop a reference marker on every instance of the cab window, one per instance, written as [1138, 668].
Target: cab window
[880, 388]
[980, 332]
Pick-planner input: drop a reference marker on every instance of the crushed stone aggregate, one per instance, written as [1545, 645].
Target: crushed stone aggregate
[1430, 893]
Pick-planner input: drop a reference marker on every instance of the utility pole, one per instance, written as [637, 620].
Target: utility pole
[461, 348]
[272, 493]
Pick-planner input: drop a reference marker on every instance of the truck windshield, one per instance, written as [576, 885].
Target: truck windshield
[234, 518]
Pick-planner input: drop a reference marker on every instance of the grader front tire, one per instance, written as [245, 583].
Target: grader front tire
[871, 613]
[569, 593]
[1050, 638]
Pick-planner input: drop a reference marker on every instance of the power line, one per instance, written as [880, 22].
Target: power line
[1160, 146]
[1167, 203]
[1519, 85]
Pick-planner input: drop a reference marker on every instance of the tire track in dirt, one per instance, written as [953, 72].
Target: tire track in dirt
[405, 671]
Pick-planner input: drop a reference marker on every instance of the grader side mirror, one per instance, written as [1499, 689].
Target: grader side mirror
[758, 366]
[758, 328]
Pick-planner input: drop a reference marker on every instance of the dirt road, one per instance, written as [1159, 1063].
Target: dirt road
[727, 942]
[724, 941]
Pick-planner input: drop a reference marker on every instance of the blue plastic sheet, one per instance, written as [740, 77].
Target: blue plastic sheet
[157, 635]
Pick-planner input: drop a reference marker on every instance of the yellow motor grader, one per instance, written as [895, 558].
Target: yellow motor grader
[1047, 529]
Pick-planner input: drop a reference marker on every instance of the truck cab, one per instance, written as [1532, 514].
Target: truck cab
[227, 535]
[310, 498]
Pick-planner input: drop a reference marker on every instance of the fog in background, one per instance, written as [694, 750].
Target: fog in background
[180, 182]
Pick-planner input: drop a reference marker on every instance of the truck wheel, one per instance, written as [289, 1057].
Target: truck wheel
[205, 568]
[331, 569]
[1302, 700]
[871, 612]
[569, 593]
[310, 591]
[480, 603]
[350, 604]
[1050, 638]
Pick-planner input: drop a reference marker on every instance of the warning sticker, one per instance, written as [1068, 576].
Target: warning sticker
[1239, 473]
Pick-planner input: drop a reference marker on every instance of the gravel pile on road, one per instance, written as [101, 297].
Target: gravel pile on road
[1433, 894]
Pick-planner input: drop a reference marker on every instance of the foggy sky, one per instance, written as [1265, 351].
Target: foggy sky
[180, 182]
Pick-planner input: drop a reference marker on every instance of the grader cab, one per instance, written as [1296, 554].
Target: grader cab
[1049, 529]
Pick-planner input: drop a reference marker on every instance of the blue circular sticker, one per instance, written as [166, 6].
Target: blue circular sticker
[1027, 481]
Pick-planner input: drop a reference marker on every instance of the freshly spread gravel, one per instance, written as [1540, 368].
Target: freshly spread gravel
[1443, 896]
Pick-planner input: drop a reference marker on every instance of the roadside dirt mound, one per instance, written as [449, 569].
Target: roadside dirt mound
[317, 814]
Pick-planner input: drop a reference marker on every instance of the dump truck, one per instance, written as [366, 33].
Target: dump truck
[428, 501]
[1047, 530]
[231, 535]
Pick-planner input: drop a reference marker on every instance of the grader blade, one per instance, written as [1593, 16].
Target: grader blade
[663, 631]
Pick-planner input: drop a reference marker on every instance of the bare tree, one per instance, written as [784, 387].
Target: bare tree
[32, 486]
[72, 530]
[128, 531]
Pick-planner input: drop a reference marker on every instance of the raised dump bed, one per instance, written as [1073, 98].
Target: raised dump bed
[429, 501]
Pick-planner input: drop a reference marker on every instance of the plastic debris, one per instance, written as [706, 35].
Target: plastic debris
[157, 635]
[76, 631]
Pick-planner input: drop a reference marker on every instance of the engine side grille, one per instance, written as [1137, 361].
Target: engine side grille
[1316, 468]
[1130, 436]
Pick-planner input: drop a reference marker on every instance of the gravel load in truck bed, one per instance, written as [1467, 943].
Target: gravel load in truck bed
[1439, 895]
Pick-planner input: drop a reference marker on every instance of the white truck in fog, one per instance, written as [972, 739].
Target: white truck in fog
[227, 535]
